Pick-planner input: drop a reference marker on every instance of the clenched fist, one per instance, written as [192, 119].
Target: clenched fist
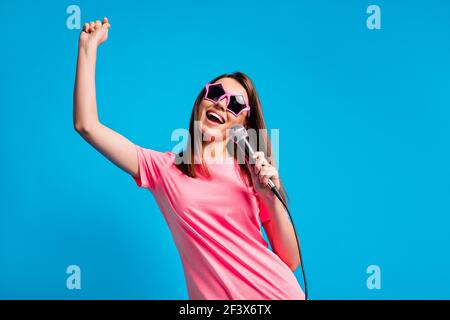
[261, 173]
[94, 33]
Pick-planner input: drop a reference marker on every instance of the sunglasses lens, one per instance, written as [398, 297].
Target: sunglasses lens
[237, 104]
[215, 92]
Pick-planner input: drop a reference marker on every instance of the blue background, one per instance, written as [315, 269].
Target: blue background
[364, 129]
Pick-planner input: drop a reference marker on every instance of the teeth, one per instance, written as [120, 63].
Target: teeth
[216, 116]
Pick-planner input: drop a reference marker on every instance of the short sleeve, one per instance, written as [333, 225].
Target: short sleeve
[151, 164]
[264, 214]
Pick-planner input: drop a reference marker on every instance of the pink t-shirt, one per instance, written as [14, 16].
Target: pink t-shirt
[215, 223]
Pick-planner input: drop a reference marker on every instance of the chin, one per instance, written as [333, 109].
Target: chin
[217, 132]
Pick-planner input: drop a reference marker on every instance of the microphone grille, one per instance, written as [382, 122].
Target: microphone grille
[238, 132]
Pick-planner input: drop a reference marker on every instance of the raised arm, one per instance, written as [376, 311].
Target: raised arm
[111, 144]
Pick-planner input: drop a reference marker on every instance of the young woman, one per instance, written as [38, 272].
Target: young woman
[214, 209]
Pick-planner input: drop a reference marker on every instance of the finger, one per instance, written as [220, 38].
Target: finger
[86, 27]
[98, 24]
[264, 179]
[261, 159]
[92, 26]
[272, 173]
[256, 155]
[269, 176]
[258, 165]
[264, 162]
[105, 23]
[269, 172]
[260, 155]
[262, 175]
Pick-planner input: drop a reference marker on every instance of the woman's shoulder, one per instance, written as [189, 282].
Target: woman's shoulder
[160, 158]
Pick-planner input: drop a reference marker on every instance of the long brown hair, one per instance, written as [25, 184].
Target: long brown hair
[255, 121]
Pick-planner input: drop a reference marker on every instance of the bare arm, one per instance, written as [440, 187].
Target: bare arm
[111, 144]
[281, 234]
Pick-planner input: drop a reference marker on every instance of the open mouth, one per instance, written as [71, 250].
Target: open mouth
[214, 117]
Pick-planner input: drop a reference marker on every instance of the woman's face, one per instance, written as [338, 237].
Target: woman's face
[210, 125]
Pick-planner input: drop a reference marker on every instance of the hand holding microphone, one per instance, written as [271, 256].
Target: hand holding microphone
[265, 176]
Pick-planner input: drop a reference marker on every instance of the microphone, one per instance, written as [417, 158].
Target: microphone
[240, 137]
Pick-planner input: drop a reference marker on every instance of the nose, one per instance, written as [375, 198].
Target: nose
[221, 104]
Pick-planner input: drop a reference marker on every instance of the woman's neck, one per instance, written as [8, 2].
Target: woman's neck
[215, 150]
